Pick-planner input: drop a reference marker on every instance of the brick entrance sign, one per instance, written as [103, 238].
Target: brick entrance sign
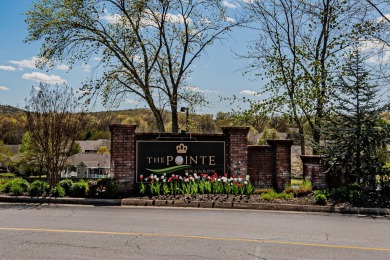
[268, 165]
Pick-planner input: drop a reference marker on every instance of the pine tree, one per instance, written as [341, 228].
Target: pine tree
[355, 131]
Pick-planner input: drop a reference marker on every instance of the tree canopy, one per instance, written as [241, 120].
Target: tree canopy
[53, 123]
[355, 132]
[300, 49]
[146, 47]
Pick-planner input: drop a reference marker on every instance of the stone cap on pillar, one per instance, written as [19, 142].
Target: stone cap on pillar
[280, 142]
[124, 127]
[229, 129]
[315, 159]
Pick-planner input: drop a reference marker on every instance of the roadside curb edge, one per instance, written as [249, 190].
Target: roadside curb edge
[198, 204]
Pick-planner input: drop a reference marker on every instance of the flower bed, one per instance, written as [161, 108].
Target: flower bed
[195, 184]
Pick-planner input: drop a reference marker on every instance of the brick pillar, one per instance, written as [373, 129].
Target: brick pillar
[282, 155]
[123, 155]
[314, 171]
[261, 165]
[236, 149]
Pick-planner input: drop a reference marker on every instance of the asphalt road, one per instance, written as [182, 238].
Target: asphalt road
[84, 232]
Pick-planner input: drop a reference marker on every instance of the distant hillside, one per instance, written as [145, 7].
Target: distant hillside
[6, 109]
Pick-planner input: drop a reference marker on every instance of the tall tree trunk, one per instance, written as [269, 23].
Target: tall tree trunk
[174, 116]
[175, 123]
[316, 135]
[159, 120]
[156, 113]
[302, 141]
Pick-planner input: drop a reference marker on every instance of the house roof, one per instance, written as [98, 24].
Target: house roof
[92, 164]
[91, 160]
[93, 145]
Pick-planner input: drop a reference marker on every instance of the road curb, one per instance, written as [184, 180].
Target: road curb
[199, 204]
[53, 200]
[258, 206]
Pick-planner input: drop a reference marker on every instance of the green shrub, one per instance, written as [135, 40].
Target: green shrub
[67, 185]
[269, 195]
[16, 190]
[356, 194]
[304, 189]
[58, 191]
[111, 187]
[22, 183]
[320, 197]
[104, 188]
[93, 188]
[80, 189]
[340, 194]
[352, 193]
[259, 191]
[284, 196]
[38, 188]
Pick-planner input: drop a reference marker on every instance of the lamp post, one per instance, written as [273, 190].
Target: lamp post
[185, 109]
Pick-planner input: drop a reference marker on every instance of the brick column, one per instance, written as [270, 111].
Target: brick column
[261, 165]
[236, 149]
[123, 155]
[314, 171]
[282, 170]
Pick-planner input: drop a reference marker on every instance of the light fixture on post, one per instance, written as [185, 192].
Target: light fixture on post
[185, 109]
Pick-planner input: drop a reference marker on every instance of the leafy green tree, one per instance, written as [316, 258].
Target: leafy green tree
[355, 131]
[147, 47]
[5, 153]
[298, 50]
[266, 135]
[29, 155]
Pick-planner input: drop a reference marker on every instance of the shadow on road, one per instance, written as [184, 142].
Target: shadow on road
[21, 206]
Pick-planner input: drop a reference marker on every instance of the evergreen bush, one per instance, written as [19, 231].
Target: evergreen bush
[22, 183]
[80, 189]
[38, 188]
[67, 185]
[58, 191]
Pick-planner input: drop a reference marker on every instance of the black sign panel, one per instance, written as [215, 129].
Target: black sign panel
[180, 157]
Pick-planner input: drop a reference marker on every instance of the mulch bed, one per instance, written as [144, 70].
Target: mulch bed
[374, 199]
[230, 198]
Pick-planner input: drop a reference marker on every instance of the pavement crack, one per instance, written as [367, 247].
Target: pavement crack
[132, 243]
[72, 213]
[221, 250]
[254, 255]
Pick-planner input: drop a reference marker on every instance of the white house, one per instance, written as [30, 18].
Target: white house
[87, 165]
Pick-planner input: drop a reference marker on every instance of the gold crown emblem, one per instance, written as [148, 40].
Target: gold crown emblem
[181, 148]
